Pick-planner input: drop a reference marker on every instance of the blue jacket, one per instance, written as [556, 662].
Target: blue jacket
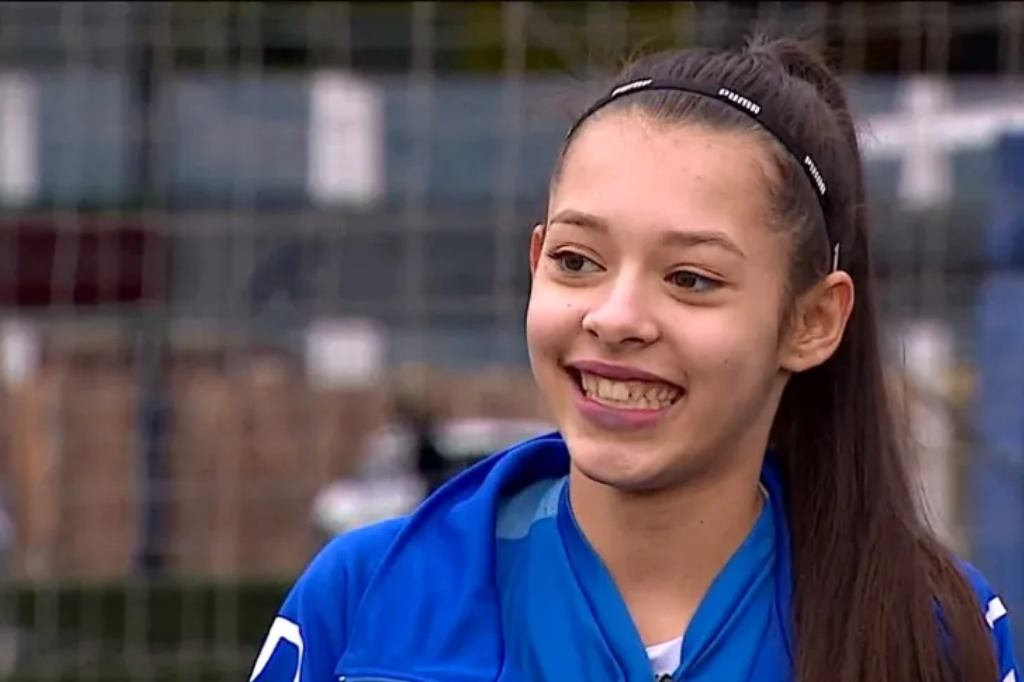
[490, 579]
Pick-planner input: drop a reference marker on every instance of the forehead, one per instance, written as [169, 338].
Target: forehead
[632, 171]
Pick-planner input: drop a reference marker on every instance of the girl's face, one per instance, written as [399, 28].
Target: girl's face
[655, 318]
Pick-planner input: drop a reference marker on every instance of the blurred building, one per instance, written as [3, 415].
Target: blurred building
[386, 160]
[213, 187]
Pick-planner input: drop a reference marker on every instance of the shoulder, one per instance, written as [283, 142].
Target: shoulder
[337, 575]
[998, 620]
[993, 605]
[310, 628]
[352, 556]
[455, 526]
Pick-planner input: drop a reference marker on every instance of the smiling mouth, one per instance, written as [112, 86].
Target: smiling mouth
[626, 395]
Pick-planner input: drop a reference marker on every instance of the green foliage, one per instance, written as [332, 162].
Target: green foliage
[200, 631]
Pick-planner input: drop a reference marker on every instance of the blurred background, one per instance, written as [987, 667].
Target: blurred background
[263, 280]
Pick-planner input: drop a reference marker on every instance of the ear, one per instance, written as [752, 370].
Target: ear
[536, 247]
[818, 323]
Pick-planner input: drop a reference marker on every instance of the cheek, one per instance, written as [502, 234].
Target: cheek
[733, 349]
[553, 320]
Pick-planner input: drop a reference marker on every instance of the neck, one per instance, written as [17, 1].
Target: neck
[663, 549]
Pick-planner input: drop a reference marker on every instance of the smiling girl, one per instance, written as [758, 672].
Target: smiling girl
[727, 497]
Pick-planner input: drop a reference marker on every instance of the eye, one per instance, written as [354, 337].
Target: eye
[691, 281]
[573, 263]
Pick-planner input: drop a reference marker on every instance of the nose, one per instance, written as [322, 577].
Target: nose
[622, 315]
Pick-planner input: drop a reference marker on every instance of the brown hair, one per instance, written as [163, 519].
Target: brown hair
[868, 573]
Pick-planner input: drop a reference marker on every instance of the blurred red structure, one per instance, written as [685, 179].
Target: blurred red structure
[47, 262]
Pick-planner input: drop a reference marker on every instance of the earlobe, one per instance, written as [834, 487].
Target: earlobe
[818, 326]
[536, 247]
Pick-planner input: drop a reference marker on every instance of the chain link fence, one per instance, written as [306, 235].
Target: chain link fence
[230, 231]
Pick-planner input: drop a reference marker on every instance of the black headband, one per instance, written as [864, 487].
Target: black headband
[748, 107]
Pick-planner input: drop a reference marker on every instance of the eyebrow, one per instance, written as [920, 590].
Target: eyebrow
[685, 238]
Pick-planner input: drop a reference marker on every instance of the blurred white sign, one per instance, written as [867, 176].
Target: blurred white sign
[21, 353]
[344, 353]
[346, 140]
[19, 138]
[929, 362]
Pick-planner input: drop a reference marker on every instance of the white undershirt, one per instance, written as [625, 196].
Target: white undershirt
[665, 657]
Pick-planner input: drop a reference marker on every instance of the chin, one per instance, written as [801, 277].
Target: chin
[618, 466]
[625, 483]
[636, 466]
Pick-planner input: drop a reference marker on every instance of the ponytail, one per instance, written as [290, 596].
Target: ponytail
[867, 571]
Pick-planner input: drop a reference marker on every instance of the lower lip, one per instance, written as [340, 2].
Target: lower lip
[617, 418]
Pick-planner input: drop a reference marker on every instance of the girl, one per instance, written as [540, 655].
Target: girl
[726, 498]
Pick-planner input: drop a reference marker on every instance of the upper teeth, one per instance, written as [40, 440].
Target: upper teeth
[643, 395]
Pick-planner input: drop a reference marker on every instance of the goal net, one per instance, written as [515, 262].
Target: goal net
[231, 233]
